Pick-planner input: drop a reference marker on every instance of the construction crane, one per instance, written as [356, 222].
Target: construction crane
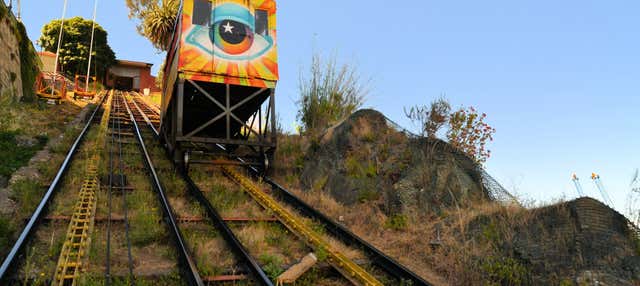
[576, 182]
[596, 179]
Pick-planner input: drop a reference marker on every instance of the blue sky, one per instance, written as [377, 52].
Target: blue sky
[559, 80]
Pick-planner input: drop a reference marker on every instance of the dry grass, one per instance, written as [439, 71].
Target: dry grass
[445, 248]
[154, 99]
[273, 245]
[37, 118]
[444, 265]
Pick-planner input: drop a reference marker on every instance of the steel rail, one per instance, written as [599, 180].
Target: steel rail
[146, 119]
[188, 264]
[227, 234]
[219, 223]
[29, 229]
[380, 259]
[125, 207]
[107, 263]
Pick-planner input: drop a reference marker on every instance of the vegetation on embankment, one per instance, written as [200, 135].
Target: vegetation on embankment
[425, 207]
[29, 62]
[28, 58]
[426, 202]
[25, 129]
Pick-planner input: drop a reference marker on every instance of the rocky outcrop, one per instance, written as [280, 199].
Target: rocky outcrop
[581, 241]
[364, 159]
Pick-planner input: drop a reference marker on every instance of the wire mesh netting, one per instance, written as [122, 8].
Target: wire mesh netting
[493, 188]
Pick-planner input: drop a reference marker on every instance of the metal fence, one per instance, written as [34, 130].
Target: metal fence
[493, 188]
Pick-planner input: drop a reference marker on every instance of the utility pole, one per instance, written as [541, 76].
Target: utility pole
[93, 29]
[55, 70]
[18, 16]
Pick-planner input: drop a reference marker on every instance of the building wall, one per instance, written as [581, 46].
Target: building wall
[142, 77]
[10, 77]
[123, 71]
[148, 81]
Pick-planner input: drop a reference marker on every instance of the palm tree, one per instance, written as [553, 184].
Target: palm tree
[157, 19]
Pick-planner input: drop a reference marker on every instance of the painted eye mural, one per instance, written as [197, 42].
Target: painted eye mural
[230, 41]
[235, 32]
[233, 37]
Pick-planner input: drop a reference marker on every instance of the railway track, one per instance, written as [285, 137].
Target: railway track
[98, 223]
[132, 217]
[351, 271]
[228, 199]
[394, 268]
[238, 268]
[16, 254]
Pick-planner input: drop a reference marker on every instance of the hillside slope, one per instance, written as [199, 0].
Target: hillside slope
[427, 205]
[363, 159]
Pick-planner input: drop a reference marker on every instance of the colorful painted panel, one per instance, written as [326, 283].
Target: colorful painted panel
[230, 41]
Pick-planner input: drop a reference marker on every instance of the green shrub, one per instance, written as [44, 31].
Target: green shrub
[3, 10]
[328, 94]
[490, 232]
[272, 265]
[7, 229]
[397, 222]
[27, 194]
[321, 254]
[358, 170]
[145, 227]
[14, 156]
[566, 282]
[353, 167]
[320, 183]
[504, 271]
[369, 137]
[29, 62]
[367, 194]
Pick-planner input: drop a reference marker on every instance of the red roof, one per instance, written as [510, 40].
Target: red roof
[133, 64]
[47, 54]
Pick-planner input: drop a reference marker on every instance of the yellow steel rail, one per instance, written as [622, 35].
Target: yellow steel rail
[339, 261]
[78, 236]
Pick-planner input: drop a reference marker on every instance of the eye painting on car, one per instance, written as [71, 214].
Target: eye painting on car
[235, 32]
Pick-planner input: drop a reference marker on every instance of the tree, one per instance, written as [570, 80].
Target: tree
[74, 51]
[157, 19]
[160, 76]
[328, 94]
[430, 118]
[469, 133]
